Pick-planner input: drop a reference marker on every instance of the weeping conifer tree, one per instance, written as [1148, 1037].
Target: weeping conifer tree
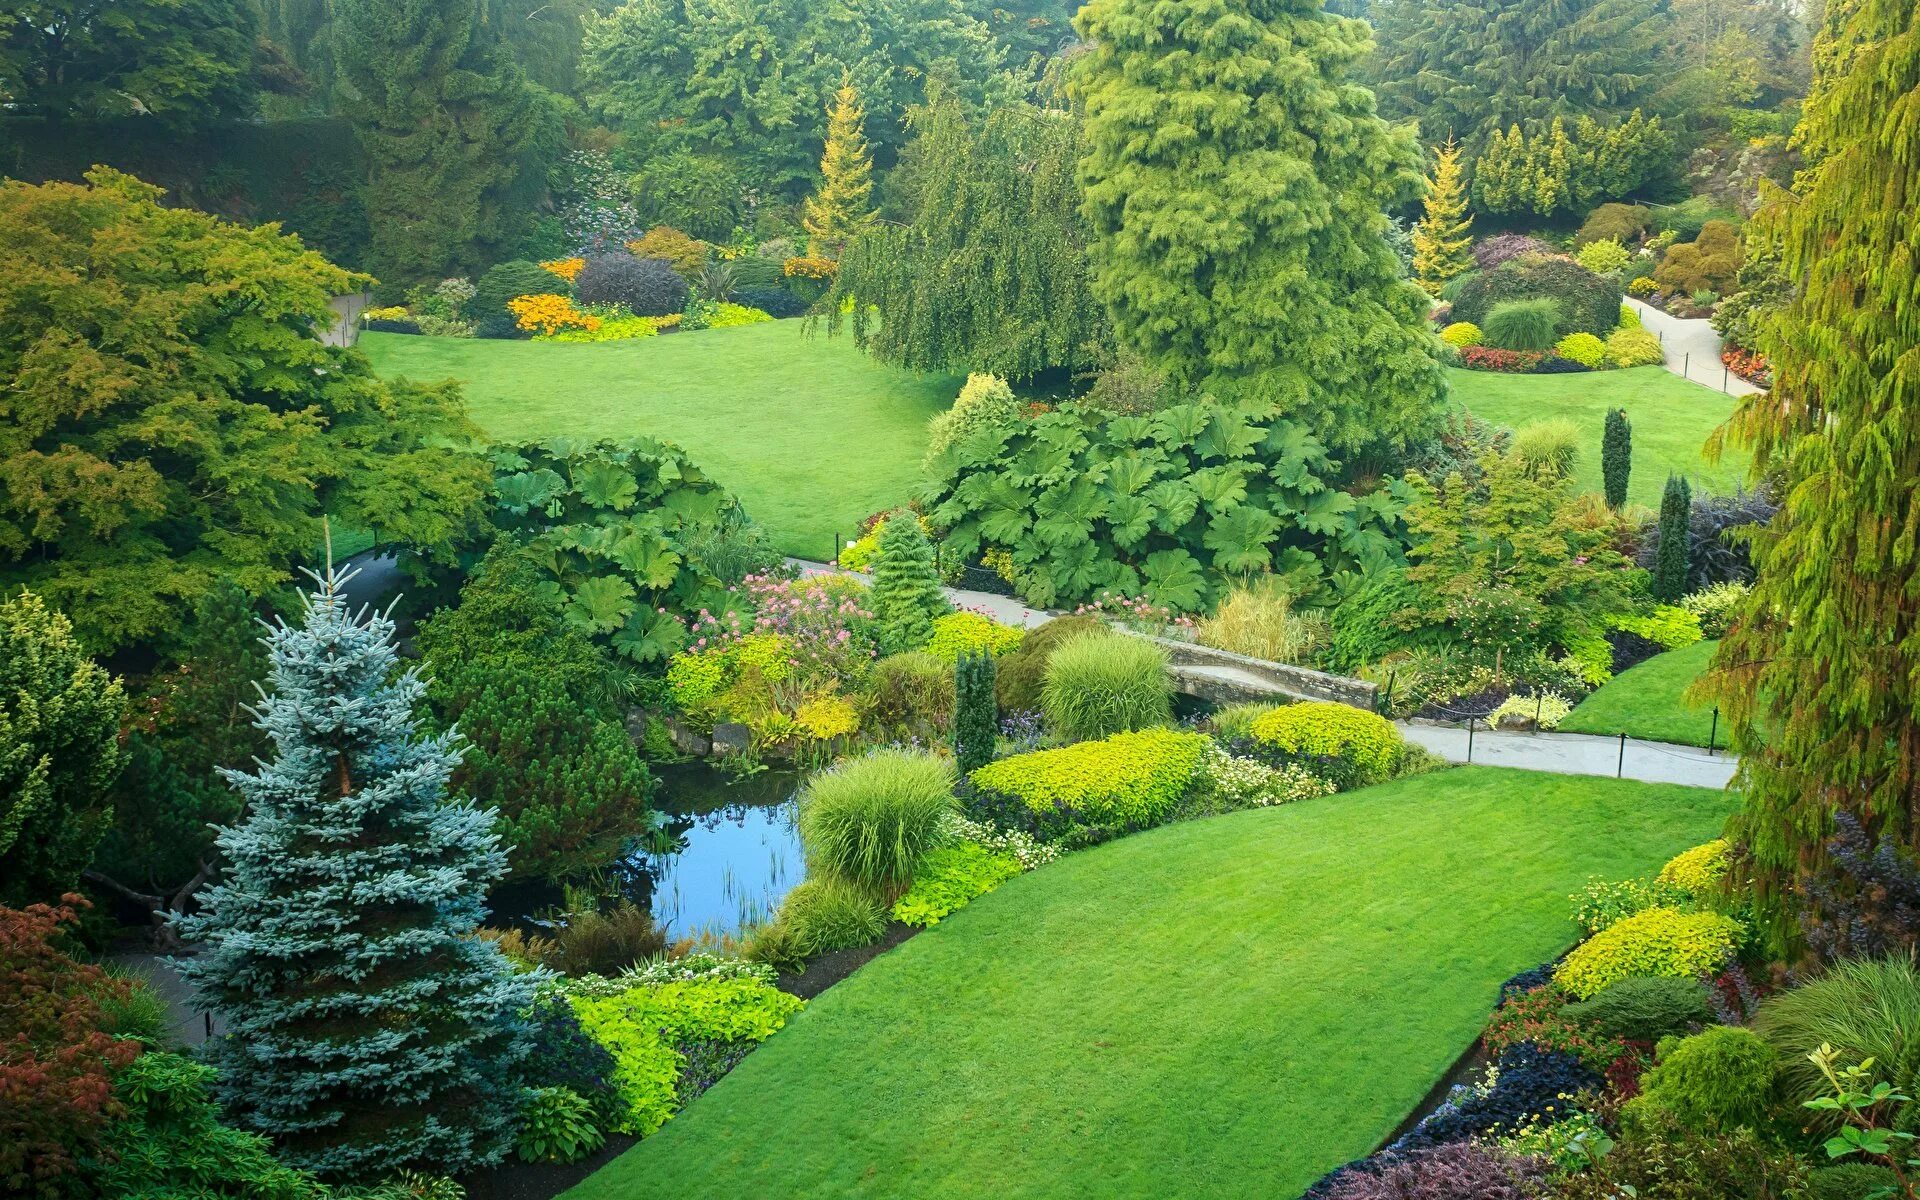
[367, 1029]
[1821, 673]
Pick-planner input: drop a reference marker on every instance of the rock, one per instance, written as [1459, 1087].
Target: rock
[729, 738]
[683, 739]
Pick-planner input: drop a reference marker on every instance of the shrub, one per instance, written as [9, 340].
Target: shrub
[686, 255]
[1125, 782]
[962, 632]
[1588, 303]
[1657, 941]
[561, 1055]
[869, 820]
[1543, 711]
[1668, 626]
[1698, 871]
[1259, 620]
[912, 695]
[1231, 783]
[1583, 348]
[951, 877]
[1525, 1084]
[1461, 334]
[1642, 285]
[1707, 264]
[646, 287]
[1463, 1171]
[1715, 607]
[777, 303]
[1524, 324]
[1629, 318]
[984, 403]
[557, 1125]
[391, 325]
[644, 1027]
[1490, 358]
[1535, 1016]
[1864, 1008]
[1602, 903]
[1717, 526]
[1021, 677]
[1852, 1181]
[1549, 449]
[906, 595]
[504, 282]
[595, 942]
[1106, 683]
[829, 914]
[1604, 257]
[1503, 247]
[1711, 1082]
[1374, 622]
[1661, 1161]
[1645, 1009]
[1553, 364]
[1620, 223]
[1318, 730]
[976, 725]
[757, 274]
[1634, 348]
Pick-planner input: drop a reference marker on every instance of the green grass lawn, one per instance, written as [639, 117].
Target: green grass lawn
[1671, 420]
[1221, 1008]
[1647, 701]
[811, 434]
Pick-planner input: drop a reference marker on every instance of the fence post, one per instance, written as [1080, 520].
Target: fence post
[1725, 371]
[1469, 739]
[1713, 734]
[1620, 768]
[1686, 366]
[208, 1017]
[833, 560]
[1386, 703]
[1538, 699]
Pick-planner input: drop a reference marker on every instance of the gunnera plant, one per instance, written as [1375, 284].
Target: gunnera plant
[1105, 683]
[869, 821]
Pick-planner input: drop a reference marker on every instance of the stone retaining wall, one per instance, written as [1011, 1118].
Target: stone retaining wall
[1297, 682]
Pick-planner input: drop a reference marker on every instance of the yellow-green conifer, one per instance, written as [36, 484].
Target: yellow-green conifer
[842, 208]
[1442, 238]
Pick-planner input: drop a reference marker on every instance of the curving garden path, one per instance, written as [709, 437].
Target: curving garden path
[1693, 349]
[1220, 1008]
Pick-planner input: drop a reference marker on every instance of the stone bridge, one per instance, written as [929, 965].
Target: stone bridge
[1222, 678]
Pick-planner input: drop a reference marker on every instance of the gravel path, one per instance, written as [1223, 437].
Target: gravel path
[1693, 350]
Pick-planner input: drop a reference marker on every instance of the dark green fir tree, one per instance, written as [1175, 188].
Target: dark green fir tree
[1616, 457]
[976, 717]
[368, 1030]
[906, 594]
[1672, 561]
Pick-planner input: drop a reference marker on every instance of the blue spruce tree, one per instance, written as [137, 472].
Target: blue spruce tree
[367, 1030]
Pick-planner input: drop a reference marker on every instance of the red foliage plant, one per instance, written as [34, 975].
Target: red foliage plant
[56, 1062]
[1487, 358]
[1534, 1016]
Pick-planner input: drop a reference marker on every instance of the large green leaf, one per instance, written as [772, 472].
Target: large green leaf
[1181, 425]
[1325, 512]
[1228, 435]
[1222, 487]
[601, 604]
[1129, 474]
[1239, 539]
[1173, 579]
[1130, 519]
[649, 636]
[604, 485]
[1174, 503]
[521, 493]
[648, 558]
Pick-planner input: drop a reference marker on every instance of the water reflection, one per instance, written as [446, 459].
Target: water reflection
[729, 854]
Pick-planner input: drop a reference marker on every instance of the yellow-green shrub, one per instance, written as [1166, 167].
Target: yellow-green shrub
[1629, 318]
[1366, 741]
[1128, 781]
[963, 631]
[1698, 871]
[1583, 348]
[1658, 941]
[1634, 348]
[1462, 334]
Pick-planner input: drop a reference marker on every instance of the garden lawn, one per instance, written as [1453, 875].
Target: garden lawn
[812, 435]
[1221, 1008]
[1648, 702]
[1671, 421]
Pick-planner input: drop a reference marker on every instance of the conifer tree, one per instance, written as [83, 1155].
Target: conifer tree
[1821, 674]
[1240, 242]
[1442, 239]
[906, 594]
[368, 1030]
[1616, 457]
[976, 717]
[842, 207]
[1670, 564]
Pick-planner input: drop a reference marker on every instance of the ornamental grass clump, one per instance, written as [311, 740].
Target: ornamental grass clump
[1259, 620]
[1864, 1008]
[1105, 683]
[824, 915]
[870, 821]
[1657, 941]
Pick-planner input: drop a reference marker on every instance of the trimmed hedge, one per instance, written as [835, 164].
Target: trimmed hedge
[1365, 743]
[1658, 941]
[1126, 782]
[1588, 303]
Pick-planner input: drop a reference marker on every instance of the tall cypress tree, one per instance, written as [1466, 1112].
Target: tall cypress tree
[368, 1030]
[1672, 560]
[842, 207]
[1821, 674]
[1616, 457]
[1442, 239]
[445, 118]
[976, 717]
[1240, 239]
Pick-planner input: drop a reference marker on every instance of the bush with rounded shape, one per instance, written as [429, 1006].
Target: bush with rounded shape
[1635, 348]
[1322, 729]
[868, 821]
[1711, 1082]
[1583, 348]
[1106, 683]
[686, 255]
[824, 915]
[1524, 324]
[646, 287]
[1127, 781]
[1645, 1009]
[1022, 676]
[1588, 303]
[1462, 334]
[1550, 449]
[985, 401]
[1622, 223]
[1864, 1008]
[1461, 1171]
[960, 632]
[777, 303]
[911, 692]
[1604, 257]
[1657, 941]
[1629, 318]
[753, 273]
[1707, 264]
[1699, 871]
[695, 192]
[505, 281]
[1504, 247]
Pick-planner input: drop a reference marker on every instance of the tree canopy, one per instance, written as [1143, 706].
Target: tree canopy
[173, 422]
[179, 61]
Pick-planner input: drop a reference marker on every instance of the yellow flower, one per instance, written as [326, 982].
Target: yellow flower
[827, 716]
[548, 314]
[565, 268]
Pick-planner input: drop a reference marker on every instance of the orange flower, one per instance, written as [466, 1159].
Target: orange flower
[548, 314]
[565, 268]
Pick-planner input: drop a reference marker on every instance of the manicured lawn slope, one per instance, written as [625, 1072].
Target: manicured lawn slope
[811, 434]
[1647, 702]
[1671, 420]
[1221, 1008]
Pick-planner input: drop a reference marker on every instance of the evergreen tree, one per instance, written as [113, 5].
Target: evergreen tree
[1442, 239]
[368, 1029]
[59, 753]
[1671, 563]
[987, 270]
[842, 207]
[1553, 171]
[445, 120]
[976, 718]
[1821, 674]
[181, 62]
[1240, 243]
[1616, 457]
[906, 594]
